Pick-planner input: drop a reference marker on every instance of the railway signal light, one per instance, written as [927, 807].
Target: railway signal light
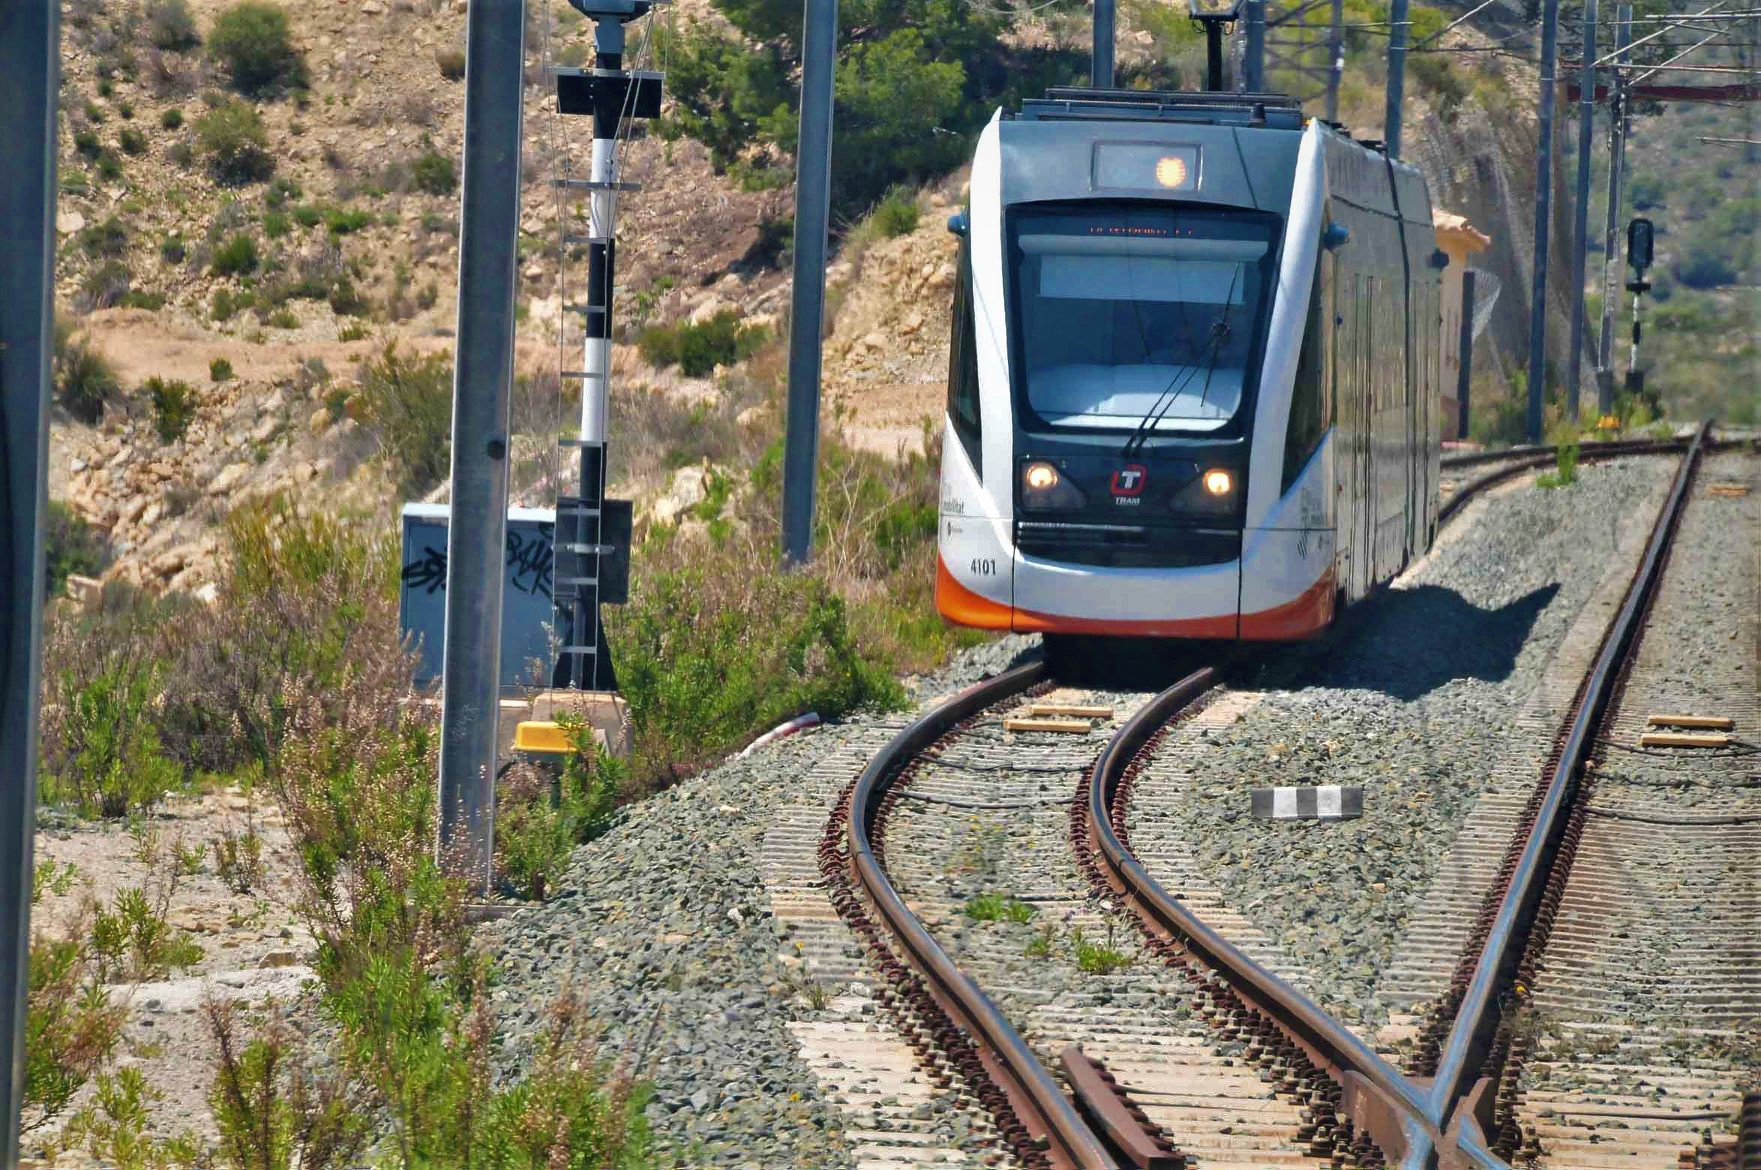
[1639, 237]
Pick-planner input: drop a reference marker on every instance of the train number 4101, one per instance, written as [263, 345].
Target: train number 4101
[984, 566]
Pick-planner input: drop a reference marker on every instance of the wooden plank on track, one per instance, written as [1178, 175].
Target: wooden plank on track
[1678, 739]
[1707, 722]
[1073, 710]
[1066, 726]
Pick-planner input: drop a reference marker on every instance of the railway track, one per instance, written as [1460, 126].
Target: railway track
[1185, 1046]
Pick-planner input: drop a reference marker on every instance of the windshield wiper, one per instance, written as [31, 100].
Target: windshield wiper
[1165, 401]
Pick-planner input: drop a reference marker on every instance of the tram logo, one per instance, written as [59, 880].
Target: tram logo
[1128, 481]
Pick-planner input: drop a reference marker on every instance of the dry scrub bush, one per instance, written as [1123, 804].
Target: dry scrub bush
[307, 612]
[270, 1109]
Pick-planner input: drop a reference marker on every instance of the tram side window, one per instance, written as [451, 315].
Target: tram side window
[1310, 399]
[963, 365]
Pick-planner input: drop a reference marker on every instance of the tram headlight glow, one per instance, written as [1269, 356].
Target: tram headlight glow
[1044, 486]
[1219, 482]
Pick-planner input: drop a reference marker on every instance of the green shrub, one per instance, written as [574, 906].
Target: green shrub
[113, 1127]
[698, 349]
[223, 304]
[70, 545]
[105, 286]
[282, 319]
[306, 215]
[131, 939]
[707, 654]
[896, 214]
[131, 140]
[171, 249]
[220, 370]
[135, 299]
[109, 238]
[107, 166]
[990, 907]
[252, 41]
[435, 174]
[538, 823]
[170, 26]
[86, 143]
[231, 136]
[271, 1110]
[174, 404]
[1094, 958]
[236, 257]
[171, 119]
[103, 756]
[72, 1026]
[342, 221]
[1565, 471]
[275, 224]
[451, 63]
[281, 191]
[407, 401]
[909, 72]
[85, 381]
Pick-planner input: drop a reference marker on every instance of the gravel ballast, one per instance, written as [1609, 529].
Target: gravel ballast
[1414, 698]
[664, 925]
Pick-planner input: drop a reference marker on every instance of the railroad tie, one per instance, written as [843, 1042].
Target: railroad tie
[1323, 802]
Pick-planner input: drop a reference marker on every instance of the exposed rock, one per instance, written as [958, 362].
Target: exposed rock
[230, 476]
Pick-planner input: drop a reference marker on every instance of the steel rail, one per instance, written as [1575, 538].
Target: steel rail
[1406, 1121]
[1595, 453]
[1452, 460]
[1375, 1096]
[1036, 1098]
[1456, 1091]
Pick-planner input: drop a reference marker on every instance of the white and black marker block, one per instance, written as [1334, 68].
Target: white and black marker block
[1325, 802]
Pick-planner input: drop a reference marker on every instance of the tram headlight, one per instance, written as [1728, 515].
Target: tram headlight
[1208, 496]
[1043, 486]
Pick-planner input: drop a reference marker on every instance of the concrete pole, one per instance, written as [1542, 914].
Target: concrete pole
[30, 67]
[1102, 71]
[1336, 57]
[1611, 223]
[1253, 60]
[819, 44]
[1580, 240]
[1465, 351]
[1398, 19]
[483, 376]
[1543, 214]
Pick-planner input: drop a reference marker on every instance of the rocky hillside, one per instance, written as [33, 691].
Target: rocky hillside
[294, 228]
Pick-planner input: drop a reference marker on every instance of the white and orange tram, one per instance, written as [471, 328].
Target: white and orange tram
[1194, 376]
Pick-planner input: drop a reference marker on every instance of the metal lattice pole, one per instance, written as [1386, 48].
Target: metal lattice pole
[483, 376]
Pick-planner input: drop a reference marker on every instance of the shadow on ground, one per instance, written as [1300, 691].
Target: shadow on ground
[1408, 642]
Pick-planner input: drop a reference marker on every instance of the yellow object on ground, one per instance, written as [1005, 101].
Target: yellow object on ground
[536, 735]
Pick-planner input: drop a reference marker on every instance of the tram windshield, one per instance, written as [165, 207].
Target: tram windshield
[1138, 315]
